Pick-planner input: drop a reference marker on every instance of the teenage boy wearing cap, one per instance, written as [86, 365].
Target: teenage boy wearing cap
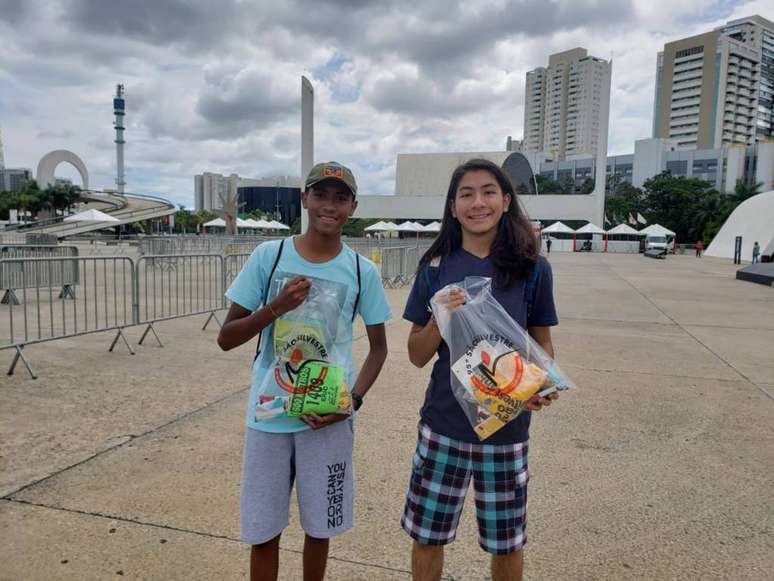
[314, 451]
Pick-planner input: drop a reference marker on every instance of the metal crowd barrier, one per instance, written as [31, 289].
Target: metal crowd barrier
[173, 286]
[117, 292]
[104, 301]
[18, 274]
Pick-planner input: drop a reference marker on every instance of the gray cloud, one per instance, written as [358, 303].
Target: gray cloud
[192, 22]
[12, 11]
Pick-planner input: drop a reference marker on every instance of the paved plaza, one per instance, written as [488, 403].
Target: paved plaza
[659, 466]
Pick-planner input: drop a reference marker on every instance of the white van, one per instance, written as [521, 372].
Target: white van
[653, 242]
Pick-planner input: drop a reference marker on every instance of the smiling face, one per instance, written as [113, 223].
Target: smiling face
[330, 204]
[479, 202]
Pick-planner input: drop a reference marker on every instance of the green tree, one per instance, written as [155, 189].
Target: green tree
[743, 190]
[685, 205]
[547, 185]
[588, 186]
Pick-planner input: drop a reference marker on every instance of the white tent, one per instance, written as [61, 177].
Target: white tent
[432, 227]
[278, 225]
[378, 227]
[250, 223]
[624, 229]
[216, 223]
[243, 223]
[753, 220]
[390, 227]
[589, 229]
[91, 216]
[656, 230]
[409, 226]
[558, 228]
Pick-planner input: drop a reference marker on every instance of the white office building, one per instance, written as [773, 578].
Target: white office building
[563, 104]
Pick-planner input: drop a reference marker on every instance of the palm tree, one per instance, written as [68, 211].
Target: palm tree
[743, 190]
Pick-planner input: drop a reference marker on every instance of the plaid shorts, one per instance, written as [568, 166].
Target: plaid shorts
[440, 479]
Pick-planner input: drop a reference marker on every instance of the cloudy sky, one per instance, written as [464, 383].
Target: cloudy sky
[214, 86]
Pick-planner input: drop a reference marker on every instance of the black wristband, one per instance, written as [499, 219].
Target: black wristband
[357, 401]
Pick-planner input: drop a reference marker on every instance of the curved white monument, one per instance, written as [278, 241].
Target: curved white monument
[753, 220]
[50, 161]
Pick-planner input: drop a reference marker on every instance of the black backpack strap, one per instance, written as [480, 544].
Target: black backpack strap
[266, 294]
[357, 296]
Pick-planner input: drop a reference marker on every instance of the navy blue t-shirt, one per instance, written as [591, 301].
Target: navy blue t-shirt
[441, 410]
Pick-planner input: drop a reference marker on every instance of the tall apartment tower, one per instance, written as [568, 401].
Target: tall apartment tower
[715, 89]
[562, 105]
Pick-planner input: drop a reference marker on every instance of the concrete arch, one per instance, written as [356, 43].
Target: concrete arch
[50, 161]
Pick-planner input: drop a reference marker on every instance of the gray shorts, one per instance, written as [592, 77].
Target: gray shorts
[320, 464]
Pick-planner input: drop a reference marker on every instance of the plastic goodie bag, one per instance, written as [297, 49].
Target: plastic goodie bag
[496, 367]
[308, 370]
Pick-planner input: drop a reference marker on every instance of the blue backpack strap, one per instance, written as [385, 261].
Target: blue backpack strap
[530, 289]
[266, 290]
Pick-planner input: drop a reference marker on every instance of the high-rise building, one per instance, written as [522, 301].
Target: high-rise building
[13, 180]
[209, 187]
[759, 33]
[715, 88]
[563, 104]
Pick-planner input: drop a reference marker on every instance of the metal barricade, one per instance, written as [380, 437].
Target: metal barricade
[14, 275]
[172, 286]
[103, 302]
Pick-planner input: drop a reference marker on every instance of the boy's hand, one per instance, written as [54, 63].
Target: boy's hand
[295, 292]
[537, 403]
[316, 422]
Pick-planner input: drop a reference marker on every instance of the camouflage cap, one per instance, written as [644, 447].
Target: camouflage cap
[331, 170]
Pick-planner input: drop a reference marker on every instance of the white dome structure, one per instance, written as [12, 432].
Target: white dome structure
[753, 220]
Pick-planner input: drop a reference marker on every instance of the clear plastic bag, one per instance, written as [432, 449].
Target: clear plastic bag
[496, 367]
[308, 369]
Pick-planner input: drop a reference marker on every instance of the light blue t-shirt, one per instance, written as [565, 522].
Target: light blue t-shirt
[247, 291]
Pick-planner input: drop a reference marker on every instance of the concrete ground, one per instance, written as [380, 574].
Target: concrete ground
[658, 467]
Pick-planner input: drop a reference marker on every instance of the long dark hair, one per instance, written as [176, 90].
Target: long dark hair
[515, 248]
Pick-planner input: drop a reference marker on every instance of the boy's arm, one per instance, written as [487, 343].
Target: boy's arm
[377, 354]
[241, 325]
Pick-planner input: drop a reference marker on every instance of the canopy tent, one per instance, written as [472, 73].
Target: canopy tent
[254, 224]
[432, 227]
[409, 226]
[624, 229]
[381, 227]
[590, 229]
[216, 223]
[558, 228]
[656, 230]
[243, 223]
[91, 216]
[274, 225]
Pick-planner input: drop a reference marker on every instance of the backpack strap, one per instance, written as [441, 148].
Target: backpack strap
[266, 293]
[357, 296]
[530, 289]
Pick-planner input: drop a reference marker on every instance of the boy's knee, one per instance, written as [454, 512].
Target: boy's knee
[268, 544]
